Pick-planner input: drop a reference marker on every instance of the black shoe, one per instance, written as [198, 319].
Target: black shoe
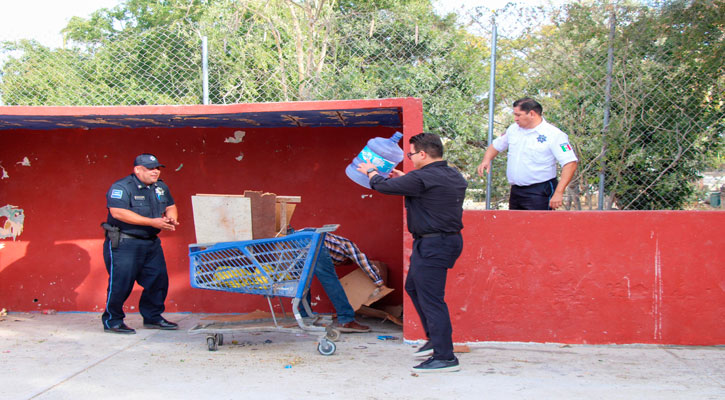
[120, 329]
[161, 324]
[425, 351]
[433, 365]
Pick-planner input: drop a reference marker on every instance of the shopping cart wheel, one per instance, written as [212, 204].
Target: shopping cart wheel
[211, 342]
[220, 339]
[326, 347]
[332, 333]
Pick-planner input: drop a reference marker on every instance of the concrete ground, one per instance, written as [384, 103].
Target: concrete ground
[68, 356]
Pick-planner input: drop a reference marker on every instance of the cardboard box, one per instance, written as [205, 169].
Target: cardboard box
[360, 290]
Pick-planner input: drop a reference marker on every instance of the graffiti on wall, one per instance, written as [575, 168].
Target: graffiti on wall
[12, 220]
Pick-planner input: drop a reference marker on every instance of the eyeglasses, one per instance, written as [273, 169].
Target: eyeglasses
[410, 155]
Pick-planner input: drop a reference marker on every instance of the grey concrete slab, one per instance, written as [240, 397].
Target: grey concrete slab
[68, 356]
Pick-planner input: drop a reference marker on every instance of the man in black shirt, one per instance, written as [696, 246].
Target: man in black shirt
[139, 207]
[434, 194]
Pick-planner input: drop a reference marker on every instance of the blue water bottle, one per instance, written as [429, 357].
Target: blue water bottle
[384, 153]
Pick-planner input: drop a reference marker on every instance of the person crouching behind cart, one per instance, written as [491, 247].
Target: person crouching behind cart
[337, 250]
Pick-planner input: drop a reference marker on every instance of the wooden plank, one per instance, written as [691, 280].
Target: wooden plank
[263, 213]
[278, 216]
[289, 199]
[221, 218]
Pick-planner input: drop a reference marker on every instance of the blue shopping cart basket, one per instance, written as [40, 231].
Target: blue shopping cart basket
[274, 267]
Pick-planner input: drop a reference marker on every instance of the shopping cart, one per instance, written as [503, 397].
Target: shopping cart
[275, 267]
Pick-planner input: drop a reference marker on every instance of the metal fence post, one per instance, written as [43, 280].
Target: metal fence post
[491, 107]
[607, 107]
[205, 69]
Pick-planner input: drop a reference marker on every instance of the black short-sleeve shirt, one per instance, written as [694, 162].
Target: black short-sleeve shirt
[149, 201]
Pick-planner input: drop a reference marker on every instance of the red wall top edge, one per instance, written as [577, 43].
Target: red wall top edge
[206, 109]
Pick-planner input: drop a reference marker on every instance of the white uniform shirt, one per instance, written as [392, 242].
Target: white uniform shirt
[533, 153]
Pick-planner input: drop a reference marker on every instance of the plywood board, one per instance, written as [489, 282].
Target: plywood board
[222, 218]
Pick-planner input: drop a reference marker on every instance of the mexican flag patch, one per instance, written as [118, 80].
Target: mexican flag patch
[565, 147]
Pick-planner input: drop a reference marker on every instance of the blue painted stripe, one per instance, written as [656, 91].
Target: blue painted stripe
[110, 286]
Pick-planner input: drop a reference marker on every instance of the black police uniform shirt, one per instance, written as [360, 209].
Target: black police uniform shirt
[149, 201]
[434, 197]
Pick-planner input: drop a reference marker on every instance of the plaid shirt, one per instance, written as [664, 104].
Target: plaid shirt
[342, 249]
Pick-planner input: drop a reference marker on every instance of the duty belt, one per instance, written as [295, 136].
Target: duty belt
[127, 236]
[436, 234]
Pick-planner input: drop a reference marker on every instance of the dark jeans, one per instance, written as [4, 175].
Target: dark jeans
[325, 273]
[135, 260]
[532, 197]
[426, 286]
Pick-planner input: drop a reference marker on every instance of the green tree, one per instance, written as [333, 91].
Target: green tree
[666, 104]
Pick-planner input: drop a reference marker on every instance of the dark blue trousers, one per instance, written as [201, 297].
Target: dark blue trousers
[135, 260]
[532, 197]
[426, 285]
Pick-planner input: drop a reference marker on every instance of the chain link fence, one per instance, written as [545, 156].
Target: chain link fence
[639, 90]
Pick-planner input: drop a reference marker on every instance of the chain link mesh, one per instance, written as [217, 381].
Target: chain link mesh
[665, 103]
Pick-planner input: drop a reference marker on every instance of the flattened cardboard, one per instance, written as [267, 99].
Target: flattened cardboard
[360, 290]
[384, 315]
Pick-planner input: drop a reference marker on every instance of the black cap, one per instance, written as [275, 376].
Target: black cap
[147, 160]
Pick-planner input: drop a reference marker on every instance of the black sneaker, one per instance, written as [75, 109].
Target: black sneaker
[425, 350]
[433, 365]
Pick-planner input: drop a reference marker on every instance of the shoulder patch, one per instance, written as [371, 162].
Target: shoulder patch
[565, 147]
[117, 194]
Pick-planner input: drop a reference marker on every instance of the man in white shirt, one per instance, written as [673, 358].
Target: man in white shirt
[534, 147]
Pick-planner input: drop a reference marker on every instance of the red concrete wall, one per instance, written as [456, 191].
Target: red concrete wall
[56, 263]
[574, 277]
[588, 277]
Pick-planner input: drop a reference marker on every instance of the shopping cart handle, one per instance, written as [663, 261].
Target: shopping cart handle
[326, 228]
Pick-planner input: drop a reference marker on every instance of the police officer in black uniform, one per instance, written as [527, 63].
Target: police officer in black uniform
[139, 207]
[434, 194]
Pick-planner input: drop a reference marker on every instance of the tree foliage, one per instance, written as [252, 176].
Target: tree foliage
[666, 101]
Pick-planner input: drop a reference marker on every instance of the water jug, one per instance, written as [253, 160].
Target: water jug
[384, 153]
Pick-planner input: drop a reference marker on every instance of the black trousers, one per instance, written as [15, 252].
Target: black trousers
[532, 197]
[135, 260]
[426, 285]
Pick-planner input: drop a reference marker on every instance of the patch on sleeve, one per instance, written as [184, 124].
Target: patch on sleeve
[117, 194]
[565, 147]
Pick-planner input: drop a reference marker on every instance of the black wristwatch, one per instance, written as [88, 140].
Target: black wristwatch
[370, 171]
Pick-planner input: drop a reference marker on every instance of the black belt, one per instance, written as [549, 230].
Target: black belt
[127, 236]
[437, 234]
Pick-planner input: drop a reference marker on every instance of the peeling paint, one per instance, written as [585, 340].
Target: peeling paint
[180, 167]
[5, 173]
[239, 157]
[366, 195]
[15, 220]
[25, 162]
[238, 137]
